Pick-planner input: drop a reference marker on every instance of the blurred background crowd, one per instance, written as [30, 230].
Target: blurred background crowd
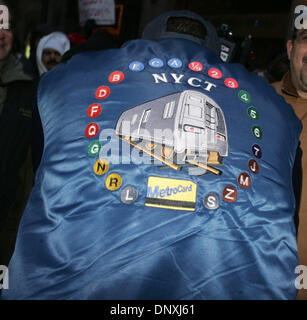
[253, 33]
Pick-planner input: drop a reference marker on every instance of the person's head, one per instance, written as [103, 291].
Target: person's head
[50, 50]
[6, 37]
[183, 24]
[6, 44]
[50, 58]
[297, 54]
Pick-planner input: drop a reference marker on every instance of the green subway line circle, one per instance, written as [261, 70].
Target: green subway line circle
[253, 113]
[257, 132]
[244, 96]
[94, 149]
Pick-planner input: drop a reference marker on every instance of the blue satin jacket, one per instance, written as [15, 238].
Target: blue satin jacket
[123, 210]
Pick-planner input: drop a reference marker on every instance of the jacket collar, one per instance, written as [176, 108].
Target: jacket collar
[12, 71]
[287, 86]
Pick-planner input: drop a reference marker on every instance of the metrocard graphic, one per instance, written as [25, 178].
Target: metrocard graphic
[184, 129]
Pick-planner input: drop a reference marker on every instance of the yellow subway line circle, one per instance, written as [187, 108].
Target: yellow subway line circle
[113, 182]
[101, 167]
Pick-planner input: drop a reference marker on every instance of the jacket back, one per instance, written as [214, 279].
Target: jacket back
[117, 216]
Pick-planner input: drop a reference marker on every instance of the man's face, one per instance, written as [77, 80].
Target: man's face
[297, 53]
[6, 43]
[51, 58]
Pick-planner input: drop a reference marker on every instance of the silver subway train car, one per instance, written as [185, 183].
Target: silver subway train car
[181, 129]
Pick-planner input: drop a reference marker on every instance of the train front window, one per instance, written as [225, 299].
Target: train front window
[195, 112]
[195, 100]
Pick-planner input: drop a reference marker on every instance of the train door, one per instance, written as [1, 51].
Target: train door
[211, 122]
[193, 122]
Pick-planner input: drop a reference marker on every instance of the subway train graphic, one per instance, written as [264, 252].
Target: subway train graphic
[184, 129]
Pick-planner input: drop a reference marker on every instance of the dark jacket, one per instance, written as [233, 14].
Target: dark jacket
[15, 135]
[100, 40]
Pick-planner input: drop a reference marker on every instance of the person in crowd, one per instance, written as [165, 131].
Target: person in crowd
[16, 98]
[33, 38]
[293, 87]
[166, 174]
[99, 39]
[277, 67]
[50, 50]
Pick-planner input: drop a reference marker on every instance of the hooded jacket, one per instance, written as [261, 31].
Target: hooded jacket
[57, 41]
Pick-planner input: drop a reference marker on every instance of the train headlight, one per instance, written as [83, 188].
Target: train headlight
[220, 137]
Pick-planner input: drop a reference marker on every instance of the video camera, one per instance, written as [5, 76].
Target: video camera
[228, 46]
[230, 50]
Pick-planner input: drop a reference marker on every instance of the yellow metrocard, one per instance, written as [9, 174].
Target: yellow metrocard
[171, 194]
